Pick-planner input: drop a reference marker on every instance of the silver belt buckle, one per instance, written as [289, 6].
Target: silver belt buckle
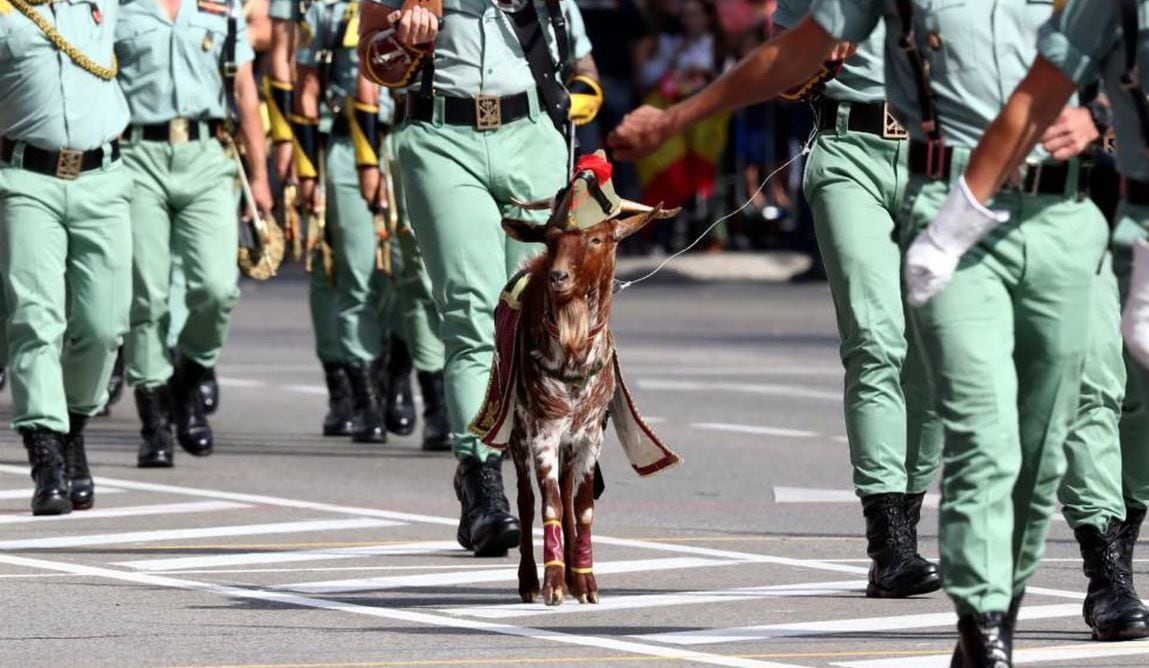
[488, 112]
[891, 128]
[178, 131]
[69, 164]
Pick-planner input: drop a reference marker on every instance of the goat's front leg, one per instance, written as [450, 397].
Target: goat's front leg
[528, 571]
[582, 557]
[546, 468]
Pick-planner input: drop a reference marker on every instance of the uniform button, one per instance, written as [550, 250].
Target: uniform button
[934, 40]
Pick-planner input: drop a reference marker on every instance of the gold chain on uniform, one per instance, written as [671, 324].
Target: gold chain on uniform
[83, 62]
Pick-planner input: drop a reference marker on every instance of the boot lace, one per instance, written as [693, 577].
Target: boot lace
[75, 457]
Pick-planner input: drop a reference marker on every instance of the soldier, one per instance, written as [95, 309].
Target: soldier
[1105, 491]
[1006, 341]
[177, 63]
[855, 178]
[482, 131]
[65, 241]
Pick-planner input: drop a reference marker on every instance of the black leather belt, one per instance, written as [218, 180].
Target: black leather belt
[178, 130]
[1135, 192]
[485, 112]
[1039, 179]
[871, 117]
[65, 164]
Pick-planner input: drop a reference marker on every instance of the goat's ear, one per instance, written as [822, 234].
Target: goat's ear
[625, 227]
[524, 231]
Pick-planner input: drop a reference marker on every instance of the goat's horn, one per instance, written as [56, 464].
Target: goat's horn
[629, 206]
[537, 205]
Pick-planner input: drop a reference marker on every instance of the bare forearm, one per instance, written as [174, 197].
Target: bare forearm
[586, 66]
[282, 40]
[251, 122]
[306, 103]
[1034, 105]
[785, 61]
[366, 91]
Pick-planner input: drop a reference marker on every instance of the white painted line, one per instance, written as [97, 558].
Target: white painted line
[837, 626]
[741, 557]
[294, 556]
[842, 439]
[317, 390]
[128, 511]
[185, 534]
[613, 603]
[503, 575]
[1082, 652]
[791, 391]
[815, 495]
[225, 381]
[758, 370]
[750, 429]
[406, 616]
[26, 494]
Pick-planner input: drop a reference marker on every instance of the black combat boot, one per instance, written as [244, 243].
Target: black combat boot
[1112, 608]
[985, 640]
[896, 571]
[486, 525]
[337, 422]
[436, 430]
[913, 518]
[1130, 530]
[209, 392]
[115, 382]
[367, 425]
[192, 429]
[400, 411]
[3, 377]
[154, 408]
[76, 463]
[1010, 628]
[46, 455]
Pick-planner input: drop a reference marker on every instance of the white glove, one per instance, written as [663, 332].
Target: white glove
[934, 255]
[1135, 318]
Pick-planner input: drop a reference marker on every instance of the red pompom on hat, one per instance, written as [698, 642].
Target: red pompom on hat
[596, 163]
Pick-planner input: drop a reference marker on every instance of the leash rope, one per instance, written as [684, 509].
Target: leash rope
[64, 46]
[622, 285]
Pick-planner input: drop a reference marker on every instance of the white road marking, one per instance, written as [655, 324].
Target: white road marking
[838, 626]
[751, 429]
[128, 511]
[26, 494]
[1081, 652]
[741, 557]
[317, 390]
[758, 370]
[791, 391]
[815, 495]
[225, 381]
[184, 534]
[407, 616]
[612, 603]
[292, 556]
[503, 575]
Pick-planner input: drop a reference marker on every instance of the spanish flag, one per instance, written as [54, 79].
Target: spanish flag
[687, 164]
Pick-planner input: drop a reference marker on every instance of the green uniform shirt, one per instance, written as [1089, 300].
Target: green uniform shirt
[328, 26]
[172, 69]
[861, 77]
[477, 51]
[285, 10]
[977, 53]
[49, 101]
[1086, 42]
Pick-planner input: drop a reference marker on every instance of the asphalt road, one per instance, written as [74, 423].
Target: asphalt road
[288, 549]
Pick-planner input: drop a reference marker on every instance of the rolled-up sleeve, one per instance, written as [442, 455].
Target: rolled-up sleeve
[1078, 38]
[847, 20]
[790, 12]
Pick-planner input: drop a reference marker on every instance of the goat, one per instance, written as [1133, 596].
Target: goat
[556, 377]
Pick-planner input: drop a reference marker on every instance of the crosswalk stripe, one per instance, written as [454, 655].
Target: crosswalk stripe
[612, 603]
[1081, 652]
[184, 534]
[128, 511]
[26, 494]
[248, 558]
[499, 575]
[835, 626]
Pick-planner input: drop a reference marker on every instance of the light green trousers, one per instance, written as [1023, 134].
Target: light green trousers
[1006, 342]
[458, 184]
[65, 257]
[1090, 492]
[853, 183]
[185, 203]
[321, 300]
[1135, 410]
[408, 310]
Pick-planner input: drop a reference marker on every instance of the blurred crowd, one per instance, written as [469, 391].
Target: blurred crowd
[660, 51]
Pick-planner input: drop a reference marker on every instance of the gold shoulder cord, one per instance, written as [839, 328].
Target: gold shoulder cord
[83, 62]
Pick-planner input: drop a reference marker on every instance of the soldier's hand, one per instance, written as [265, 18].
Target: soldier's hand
[308, 196]
[1070, 134]
[369, 184]
[843, 51]
[283, 155]
[261, 193]
[415, 27]
[640, 133]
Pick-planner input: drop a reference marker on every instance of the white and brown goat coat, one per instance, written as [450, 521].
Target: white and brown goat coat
[556, 378]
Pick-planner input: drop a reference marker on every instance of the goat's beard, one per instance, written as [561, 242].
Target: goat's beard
[572, 319]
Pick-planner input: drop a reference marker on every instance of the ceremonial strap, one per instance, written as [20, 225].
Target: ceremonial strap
[930, 125]
[529, 31]
[229, 67]
[1130, 79]
[64, 46]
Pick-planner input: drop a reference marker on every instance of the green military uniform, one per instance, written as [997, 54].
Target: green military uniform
[1005, 340]
[854, 180]
[286, 10]
[65, 241]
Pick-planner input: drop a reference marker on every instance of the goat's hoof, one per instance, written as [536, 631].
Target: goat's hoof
[554, 596]
[529, 596]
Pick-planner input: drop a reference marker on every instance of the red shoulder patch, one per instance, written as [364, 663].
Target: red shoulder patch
[212, 7]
